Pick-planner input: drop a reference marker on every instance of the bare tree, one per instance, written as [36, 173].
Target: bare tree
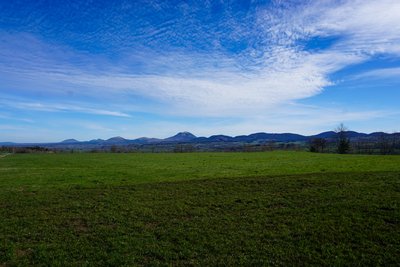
[343, 142]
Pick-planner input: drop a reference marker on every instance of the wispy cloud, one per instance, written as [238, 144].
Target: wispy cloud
[380, 73]
[11, 128]
[35, 106]
[14, 118]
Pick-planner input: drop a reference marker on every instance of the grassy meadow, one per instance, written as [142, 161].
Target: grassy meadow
[259, 209]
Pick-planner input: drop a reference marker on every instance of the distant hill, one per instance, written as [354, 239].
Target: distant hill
[117, 139]
[181, 137]
[278, 137]
[7, 143]
[70, 141]
[146, 140]
[220, 138]
[96, 141]
[325, 135]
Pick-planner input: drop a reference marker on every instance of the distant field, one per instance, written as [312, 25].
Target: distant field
[65, 170]
[272, 208]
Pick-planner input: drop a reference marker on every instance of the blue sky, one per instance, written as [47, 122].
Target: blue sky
[97, 69]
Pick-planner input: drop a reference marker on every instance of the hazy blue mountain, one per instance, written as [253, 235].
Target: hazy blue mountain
[352, 134]
[145, 140]
[325, 135]
[7, 143]
[70, 141]
[378, 134]
[116, 140]
[219, 138]
[278, 137]
[187, 137]
[181, 137]
[96, 141]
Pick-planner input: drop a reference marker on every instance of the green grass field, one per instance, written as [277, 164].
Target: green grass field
[272, 208]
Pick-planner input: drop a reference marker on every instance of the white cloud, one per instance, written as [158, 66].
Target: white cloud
[280, 72]
[363, 26]
[380, 73]
[60, 108]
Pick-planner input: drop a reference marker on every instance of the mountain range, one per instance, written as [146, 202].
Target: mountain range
[187, 137]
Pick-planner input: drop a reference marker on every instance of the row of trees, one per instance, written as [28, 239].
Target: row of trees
[32, 149]
[341, 144]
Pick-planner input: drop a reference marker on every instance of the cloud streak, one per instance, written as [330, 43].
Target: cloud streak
[36, 106]
[380, 73]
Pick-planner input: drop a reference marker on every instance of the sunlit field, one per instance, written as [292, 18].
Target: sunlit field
[272, 208]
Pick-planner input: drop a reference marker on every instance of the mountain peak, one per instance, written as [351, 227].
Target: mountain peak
[69, 141]
[185, 134]
[181, 137]
[116, 139]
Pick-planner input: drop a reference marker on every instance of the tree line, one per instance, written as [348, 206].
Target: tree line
[342, 144]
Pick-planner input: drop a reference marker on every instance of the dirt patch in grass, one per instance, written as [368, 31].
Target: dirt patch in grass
[79, 225]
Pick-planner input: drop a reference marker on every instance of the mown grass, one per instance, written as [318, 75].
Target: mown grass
[65, 170]
[199, 209]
